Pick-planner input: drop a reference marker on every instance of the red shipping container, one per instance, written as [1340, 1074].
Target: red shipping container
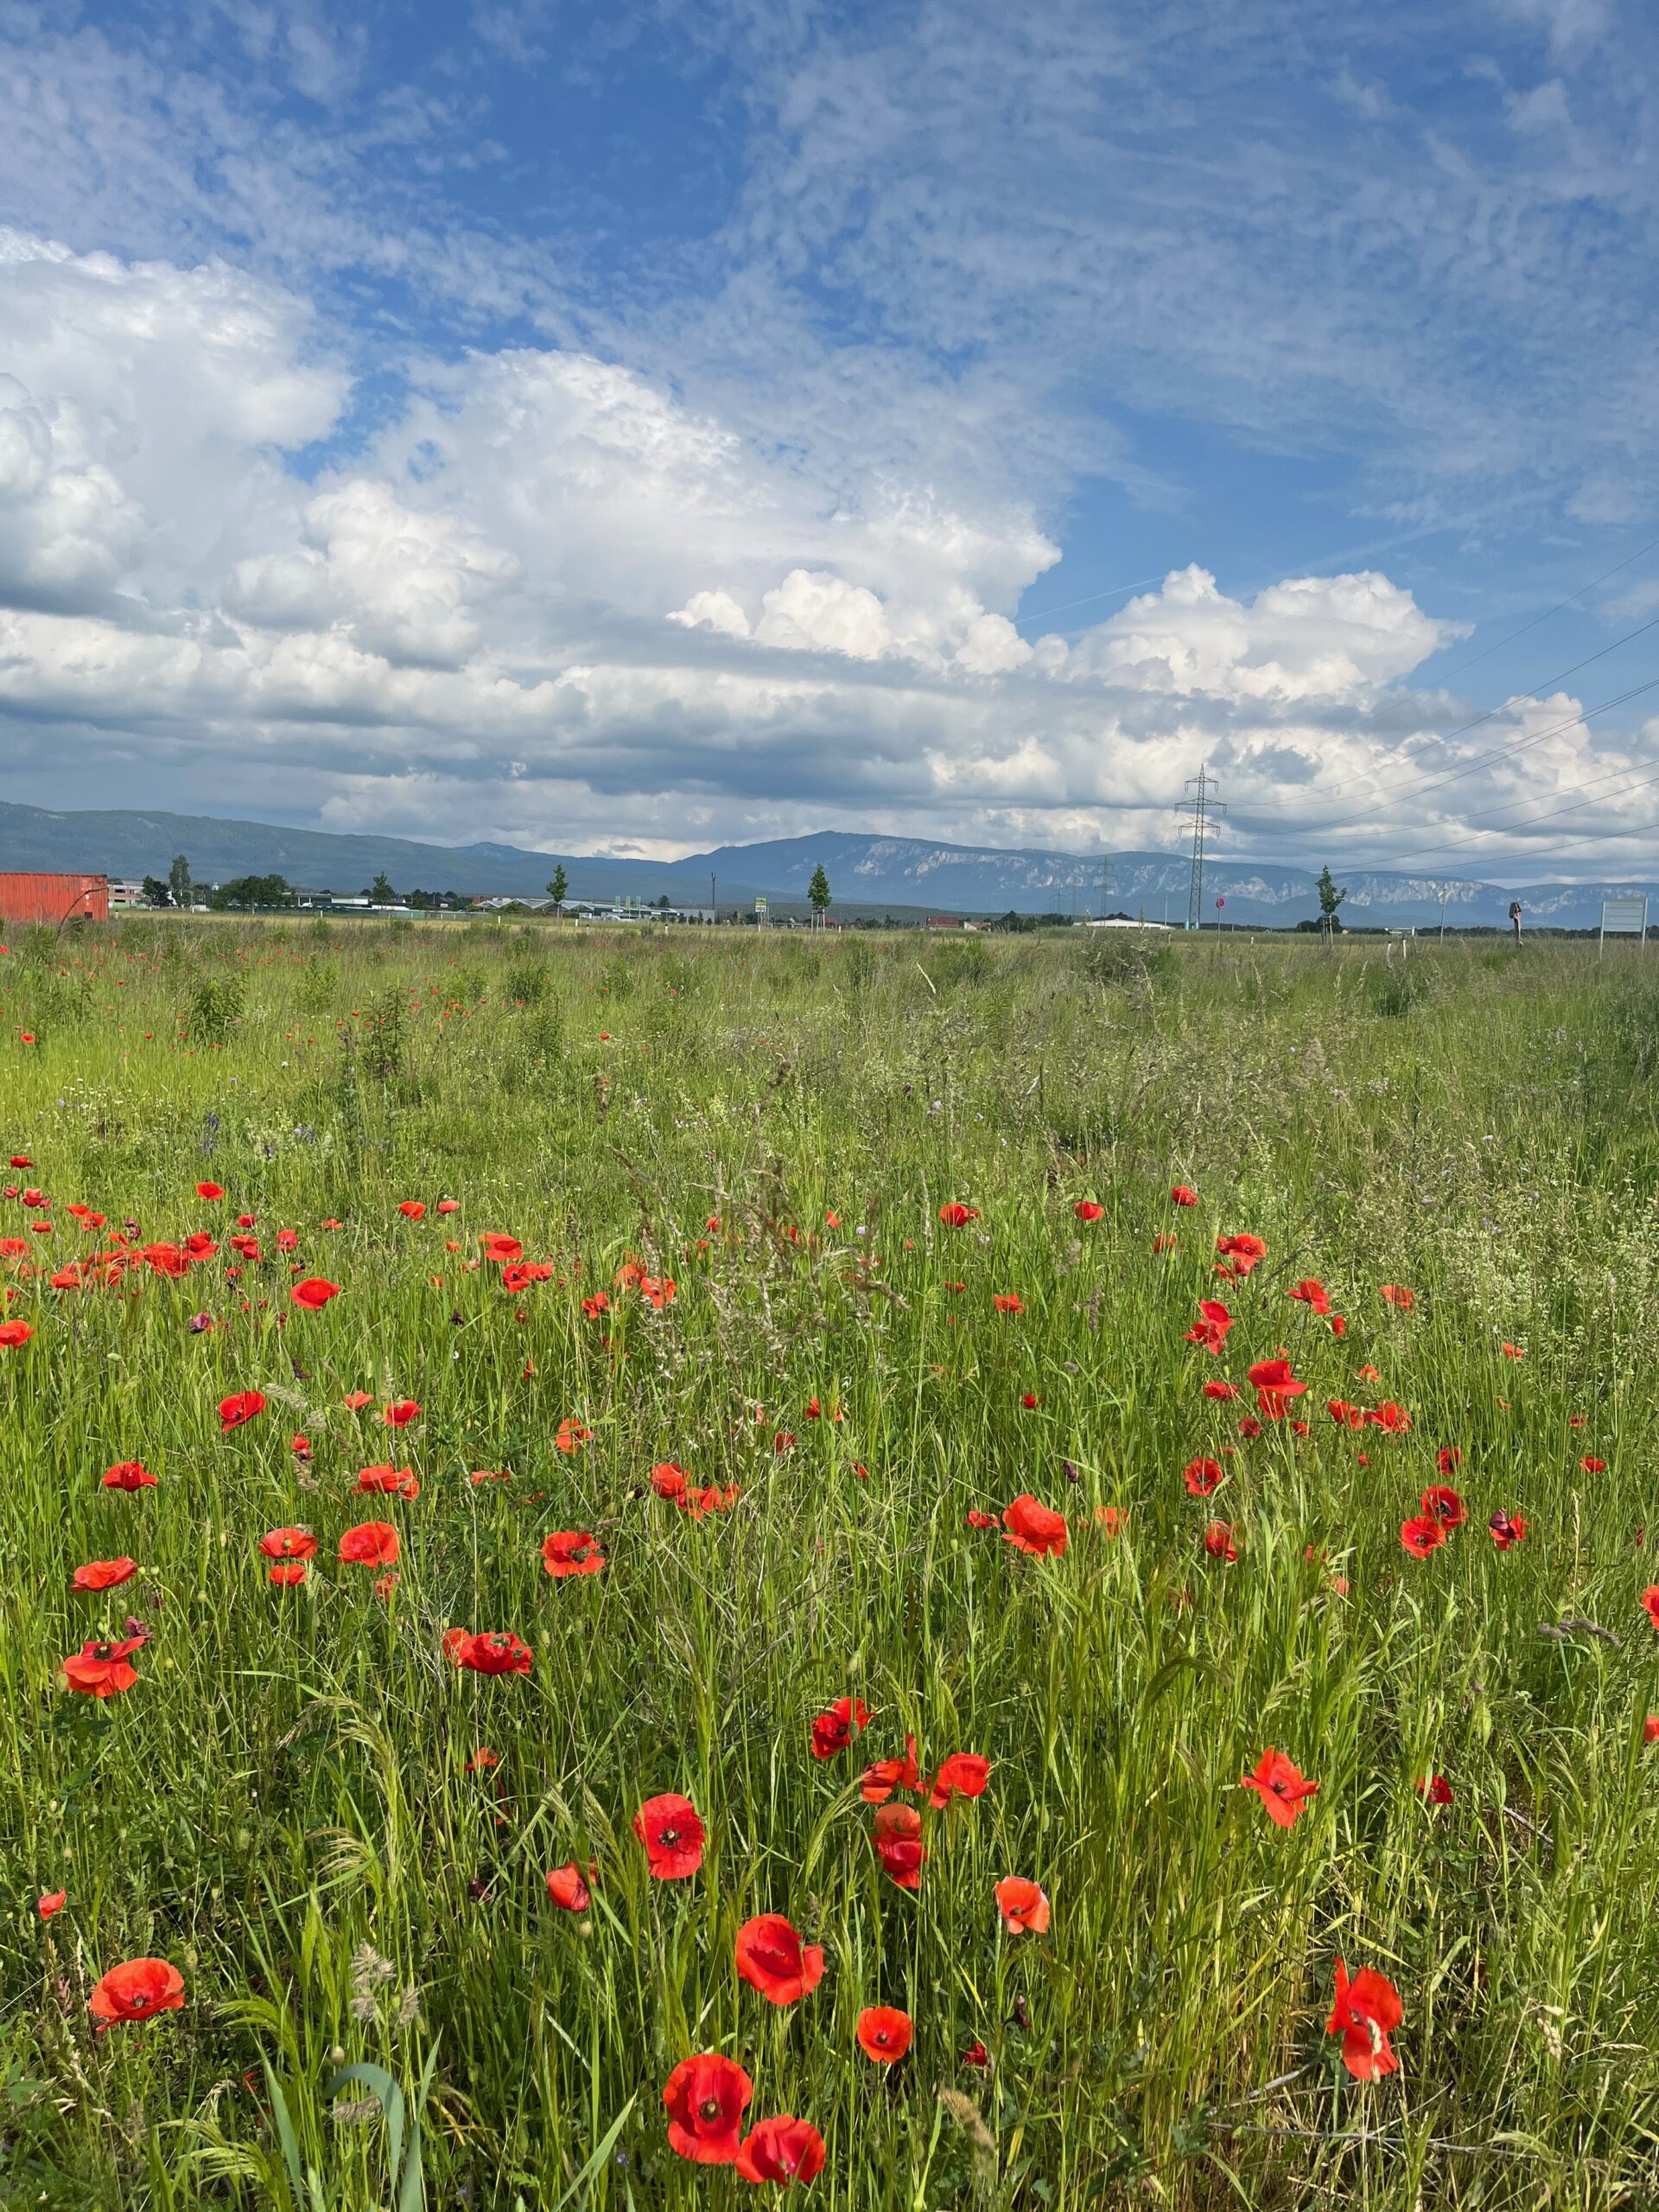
[49, 899]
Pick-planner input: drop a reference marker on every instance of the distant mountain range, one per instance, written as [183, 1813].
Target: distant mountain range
[865, 873]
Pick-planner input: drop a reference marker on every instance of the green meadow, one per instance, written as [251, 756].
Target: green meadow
[722, 1158]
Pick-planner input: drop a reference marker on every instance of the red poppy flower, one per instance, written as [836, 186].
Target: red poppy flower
[978, 1519]
[598, 1304]
[1312, 1292]
[1022, 1905]
[355, 1401]
[500, 1249]
[412, 1208]
[657, 1290]
[570, 1436]
[1008, 1302]
[1649, 1734]
[1434, 1789]
[783, 2149]
[1393, 1418]
[1244, 1253]
[834, 1729]
[714, 1499]
[128, 1474]
[976, 2055]
[1165, 1240]
[1343, 1415]
[1222, 1390]
[239, 1409]
[102, 1670]
[885, 1776]
[14, 1333]
[1281, 1789]
[771, 1958]
[389, 1482]
[568, 1890]
[488, 1652]
[287, 1574]
[1211, 1328]
[1592, 1467]
[401, 1413]
[669, 1828]
[53, 1902]
[314, 1292]
[1183, 1195]
[1219, 1540]
[1513, 1351]
[1506, 1530]
[956, 1215]
[1111, 1519]
[1651, 1603]
[706, 2098]
[287, 1543]
[1201, 1476]
[1444, 1504]
[571, 1551]
[138, 1991]
[105, 1574]
[1087, 1209]
[1338, 1326]
[964, 1773]
[1422, 1534]
[899, 1846]
[1449, 1458]
[210, 1190]
[884, 2033]
[1274, 1387]
[449, 1206]
[371, 1543]
[1366, 2013]
[1034, 1528]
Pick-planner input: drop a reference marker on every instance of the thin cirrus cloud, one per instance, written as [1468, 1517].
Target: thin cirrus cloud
[343, 477]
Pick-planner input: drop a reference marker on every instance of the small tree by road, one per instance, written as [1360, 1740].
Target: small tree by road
[1330, 898]
[818, 891]
[557, 888]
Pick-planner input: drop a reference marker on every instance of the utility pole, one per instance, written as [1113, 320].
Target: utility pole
[1105, 883]
[714, 904]
[1446, 892]
[1201, 807]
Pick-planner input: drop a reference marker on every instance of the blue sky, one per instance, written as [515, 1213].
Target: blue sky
[637, 428]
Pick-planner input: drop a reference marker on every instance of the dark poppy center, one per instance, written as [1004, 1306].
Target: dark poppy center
[709, 2109]
[668, 1835]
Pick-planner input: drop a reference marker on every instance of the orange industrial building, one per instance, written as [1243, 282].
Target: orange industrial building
[50, 899]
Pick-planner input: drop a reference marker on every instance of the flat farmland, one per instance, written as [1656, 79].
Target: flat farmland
[994, 1573]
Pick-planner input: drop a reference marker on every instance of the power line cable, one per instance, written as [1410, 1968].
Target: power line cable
[1498, 753]
[1486, 651]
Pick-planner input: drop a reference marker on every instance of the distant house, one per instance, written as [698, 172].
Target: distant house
[49, 900]
[126, 890]
[945, 922]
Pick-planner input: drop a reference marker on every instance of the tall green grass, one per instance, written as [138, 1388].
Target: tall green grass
[282, 1806]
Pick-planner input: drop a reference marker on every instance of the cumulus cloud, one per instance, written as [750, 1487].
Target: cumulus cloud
[547, 597]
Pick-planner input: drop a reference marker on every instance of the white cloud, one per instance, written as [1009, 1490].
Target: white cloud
[404, 581]
[549, 600]
[1312, 638]
[812, 610]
